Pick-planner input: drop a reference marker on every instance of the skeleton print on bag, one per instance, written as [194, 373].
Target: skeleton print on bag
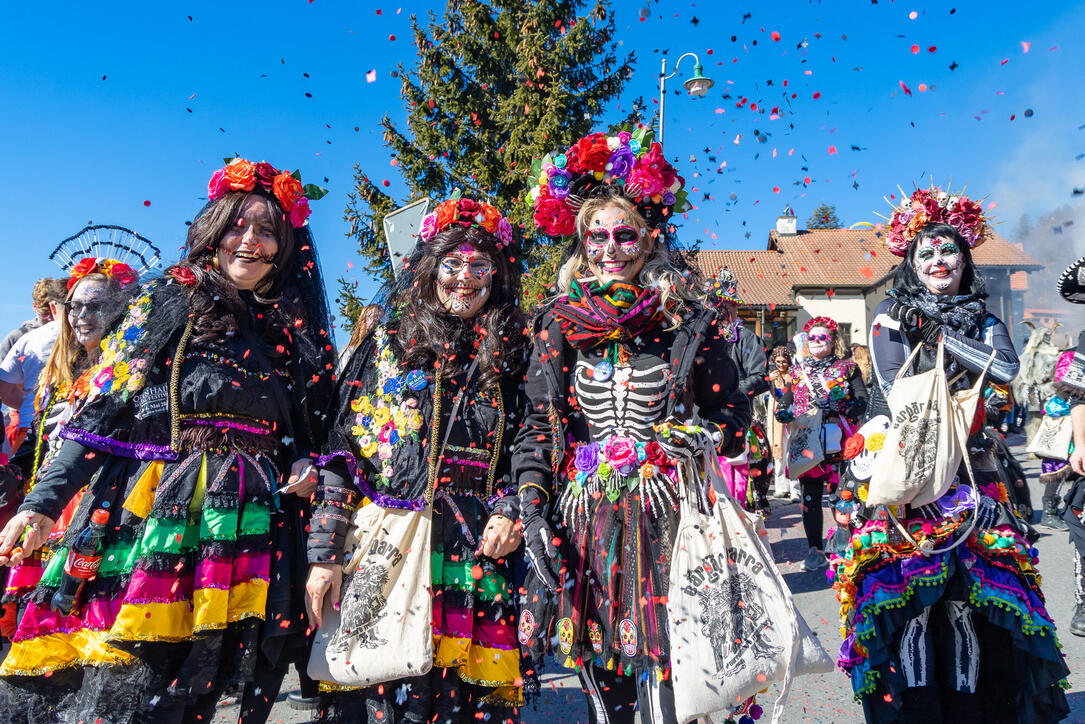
[919, 446]
[735, 624]
[799, 443]
[363, 606]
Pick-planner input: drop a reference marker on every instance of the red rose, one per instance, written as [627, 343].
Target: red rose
[553, 216]
[468, 208]
[593, 152]
[124, 274]
[572, 162]
[265, 173]
[655, 455]
[853, 446]
[184, 275]
[80, 270]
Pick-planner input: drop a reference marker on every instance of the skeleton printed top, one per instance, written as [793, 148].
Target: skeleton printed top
[626, 399]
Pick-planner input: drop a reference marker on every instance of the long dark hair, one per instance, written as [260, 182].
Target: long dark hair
[905, 280]
[217, 305]
[427, 332]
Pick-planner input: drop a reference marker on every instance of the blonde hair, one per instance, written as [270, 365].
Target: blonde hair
[67, 353]
[860, 354]
[676, 292]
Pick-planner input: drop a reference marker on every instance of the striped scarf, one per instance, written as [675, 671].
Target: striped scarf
[613, 313]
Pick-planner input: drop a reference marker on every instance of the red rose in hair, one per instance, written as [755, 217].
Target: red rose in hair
[572, 161]
[593, 152]
[287, 190]
[467, 210]
[265, 173]
[553, 216]
[80, 270]
[124, 274]
[184, 275]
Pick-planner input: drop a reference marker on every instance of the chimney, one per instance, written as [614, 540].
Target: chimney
[786, 224]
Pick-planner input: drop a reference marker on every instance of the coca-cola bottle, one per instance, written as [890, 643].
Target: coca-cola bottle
[82, 565]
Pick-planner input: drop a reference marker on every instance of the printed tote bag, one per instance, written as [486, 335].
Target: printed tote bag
[804, 449]
[1052, 438]
[734, 628]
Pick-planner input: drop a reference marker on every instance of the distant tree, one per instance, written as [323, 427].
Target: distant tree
[824, 217]
[496, 83]
[1023, 229]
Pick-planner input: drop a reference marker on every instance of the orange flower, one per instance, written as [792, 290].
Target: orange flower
[490, 217]
[287, 189]
[240, 175]
[447, 213]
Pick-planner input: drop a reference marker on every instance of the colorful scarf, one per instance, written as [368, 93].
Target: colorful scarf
[613, 313]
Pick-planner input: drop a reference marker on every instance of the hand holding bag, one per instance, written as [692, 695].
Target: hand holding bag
[733, 625]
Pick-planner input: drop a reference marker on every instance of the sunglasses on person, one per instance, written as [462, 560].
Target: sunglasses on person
[819, 337]
[91, 308]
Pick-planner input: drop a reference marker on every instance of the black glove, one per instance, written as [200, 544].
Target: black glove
[823, 403]
[904, 313]
[930, 330]
[538, 538]
[682, 444]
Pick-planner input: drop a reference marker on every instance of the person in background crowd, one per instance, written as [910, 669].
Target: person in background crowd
[943, 616]
[199, 431]
[368, 319]
[860, 355]
[835, 385]
[98, 293]
[24, 351]
[779, 378]
[1070, 387]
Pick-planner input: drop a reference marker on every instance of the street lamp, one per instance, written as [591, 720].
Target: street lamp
[698, 85]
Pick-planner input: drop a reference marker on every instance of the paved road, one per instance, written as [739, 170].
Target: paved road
[824, 699]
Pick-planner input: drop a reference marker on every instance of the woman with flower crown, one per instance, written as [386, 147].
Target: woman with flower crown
[948, 622]
[427, 408]
[207, 397]
[98, 293]
[629, 377]
[824, 380]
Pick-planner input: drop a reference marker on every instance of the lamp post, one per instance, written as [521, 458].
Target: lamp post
[698, 85]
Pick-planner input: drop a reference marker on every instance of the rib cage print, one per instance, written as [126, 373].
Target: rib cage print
[628, 403]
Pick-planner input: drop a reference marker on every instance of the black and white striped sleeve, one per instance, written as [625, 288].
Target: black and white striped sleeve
[973, 354]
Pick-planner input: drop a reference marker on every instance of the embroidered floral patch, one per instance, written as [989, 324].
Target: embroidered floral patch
[120, 370]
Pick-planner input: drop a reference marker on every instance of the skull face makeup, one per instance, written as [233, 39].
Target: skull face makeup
[91, 310]
[616, 247]
[246, 253]
[939, 265]
[819, 341]
[463, 280]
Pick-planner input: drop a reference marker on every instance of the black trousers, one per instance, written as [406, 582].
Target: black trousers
[614, 699]
[813, 520]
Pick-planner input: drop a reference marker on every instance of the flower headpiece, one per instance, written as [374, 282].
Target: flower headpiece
[119, 271]
[725, 286]
[242, 175]
[466, 212]
[826, 322]
[629, 162]
[935, 206]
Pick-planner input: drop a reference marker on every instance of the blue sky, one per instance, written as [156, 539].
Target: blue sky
[108, 106]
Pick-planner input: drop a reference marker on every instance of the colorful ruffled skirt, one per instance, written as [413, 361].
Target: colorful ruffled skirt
[968, 625]
[183, 579]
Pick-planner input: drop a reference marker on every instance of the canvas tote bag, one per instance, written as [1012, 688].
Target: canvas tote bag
[921, 450]
[384, 628]
[804, 449]
[1052, 438]
[733, 625]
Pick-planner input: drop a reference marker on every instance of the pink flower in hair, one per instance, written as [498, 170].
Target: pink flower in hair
[299, 214]
[218, 186]
[429, 226]
[504, 232]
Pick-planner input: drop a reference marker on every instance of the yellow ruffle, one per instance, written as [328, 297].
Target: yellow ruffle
[210, 608]
[481, 665]
[140, 500]
[53, 652]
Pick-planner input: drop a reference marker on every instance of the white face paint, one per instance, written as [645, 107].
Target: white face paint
[90, 311]
[939, 264]
[819, 340]
[615, 246]
[464, 277]
[247, 249]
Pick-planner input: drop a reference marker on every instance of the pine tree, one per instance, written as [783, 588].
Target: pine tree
[824, 217]
[496, 83]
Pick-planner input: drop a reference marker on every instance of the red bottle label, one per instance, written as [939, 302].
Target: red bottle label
[80, 566]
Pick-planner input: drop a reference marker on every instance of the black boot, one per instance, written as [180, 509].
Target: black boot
[1077, 623]
[1050, 517]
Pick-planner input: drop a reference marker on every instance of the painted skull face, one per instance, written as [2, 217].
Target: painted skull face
[246, 253]
[91, 310]
[939, 264]
[819, 340]
[616, 246]
[464, 277]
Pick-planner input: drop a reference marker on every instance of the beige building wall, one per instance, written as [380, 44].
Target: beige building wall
[844, 307]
